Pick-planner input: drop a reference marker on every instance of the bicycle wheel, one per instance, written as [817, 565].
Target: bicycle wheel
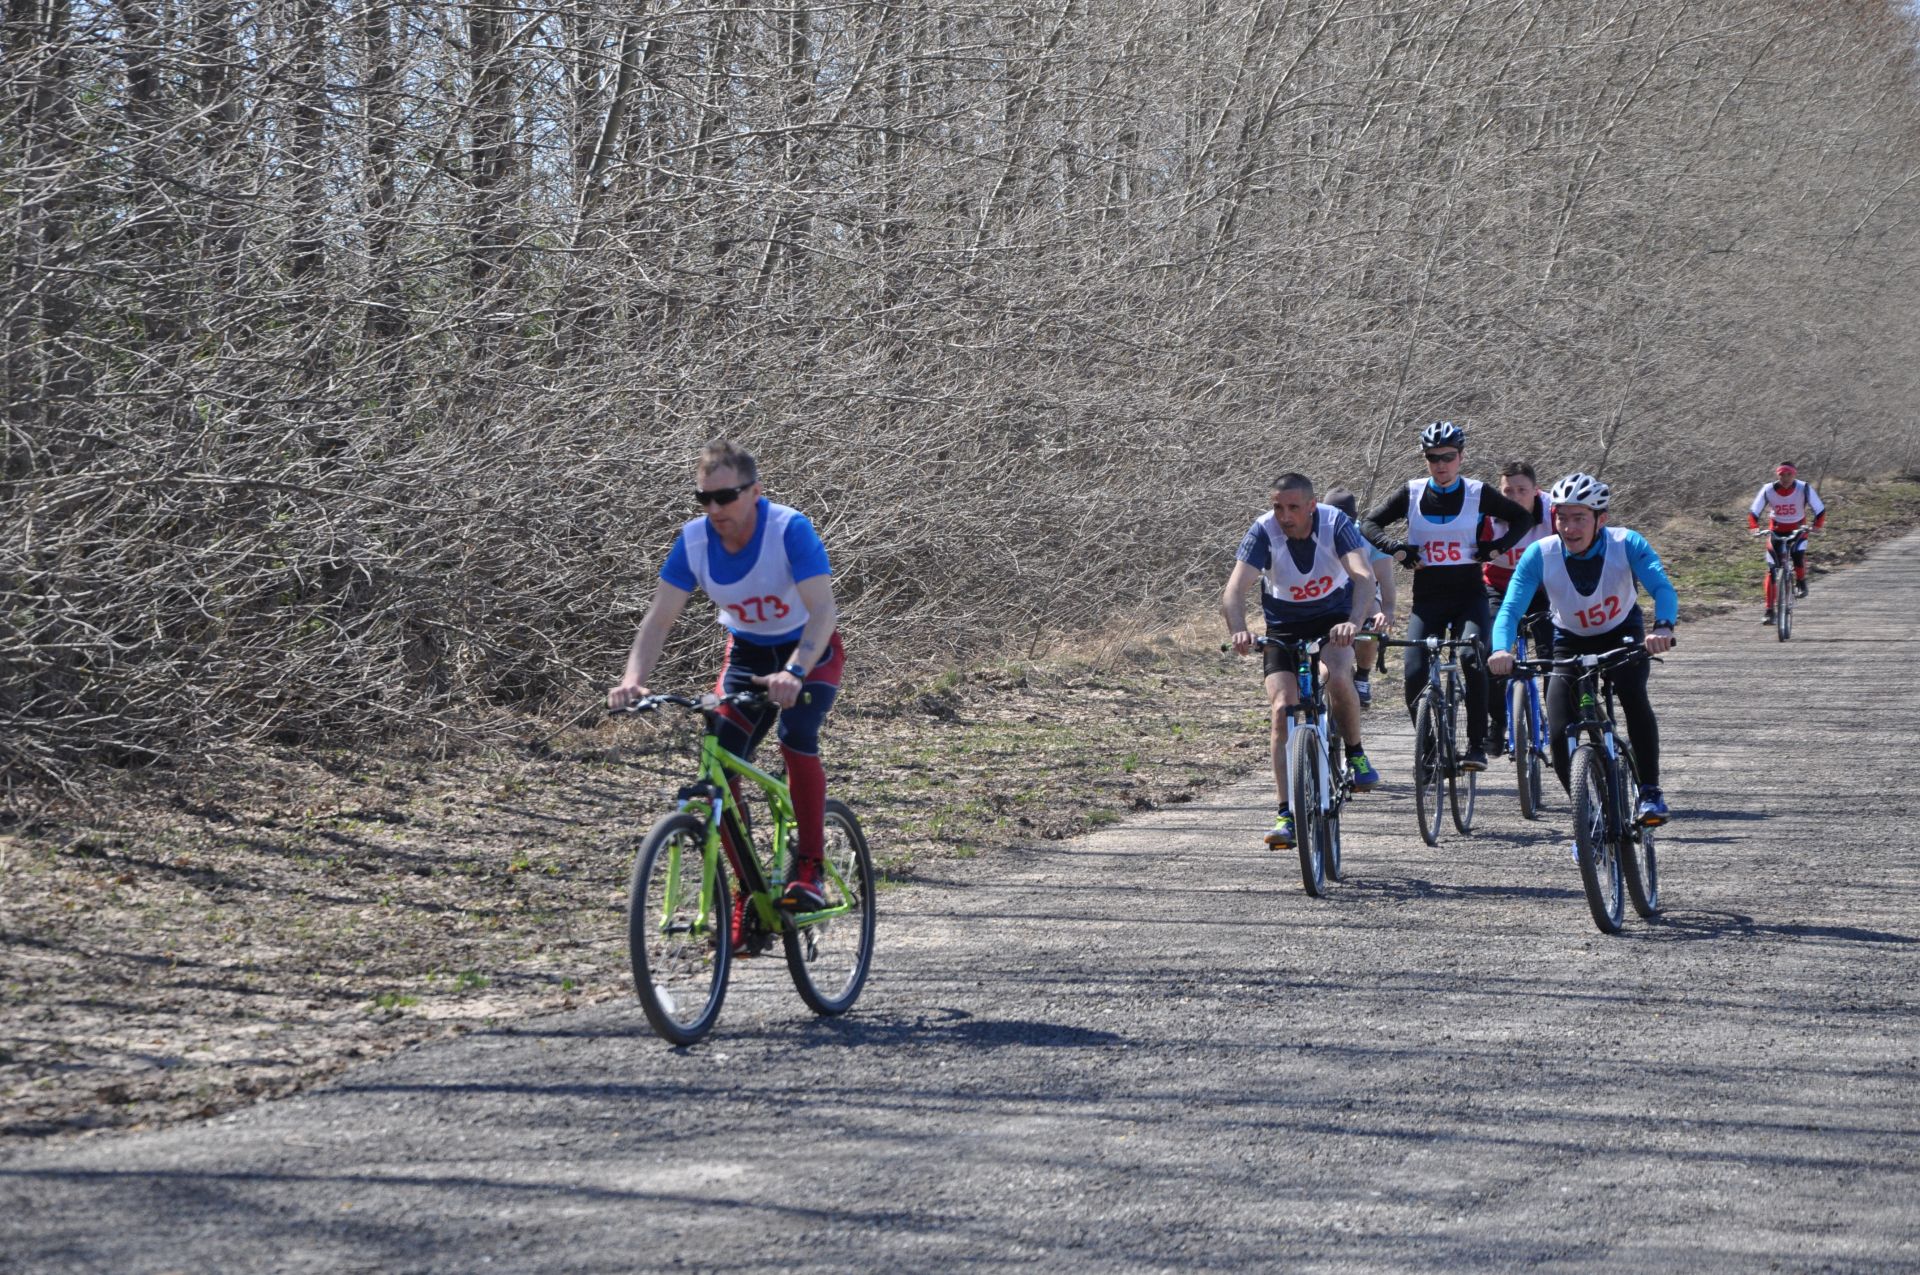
[1330, 851]
[1783, 600]
[677, 933]
[1303, 786]
[1594, 841]
[1526, 758]
[1430, 765]
[1458, 778]
[1638, 858]
[829, 958]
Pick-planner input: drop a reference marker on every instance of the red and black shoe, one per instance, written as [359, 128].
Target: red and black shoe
[806, 888]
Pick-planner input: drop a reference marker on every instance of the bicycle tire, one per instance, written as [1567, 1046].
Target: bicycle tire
[1458, 778]
[1526, 758]
[1429, 769]
[1783, 599]
[680, 957]
[1639, 859]
[1303, 785]
[1594, 841]
[830, 959]
[1336, 765]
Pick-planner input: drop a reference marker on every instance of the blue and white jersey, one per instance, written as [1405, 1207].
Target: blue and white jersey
[1303, 579]
[756, 590]
[1586, 585]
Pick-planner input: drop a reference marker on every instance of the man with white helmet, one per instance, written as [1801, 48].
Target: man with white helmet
[1443, 513]
[1589, 572]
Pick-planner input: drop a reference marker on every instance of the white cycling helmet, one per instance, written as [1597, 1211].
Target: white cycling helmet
[1443, 434]
[1581, 489]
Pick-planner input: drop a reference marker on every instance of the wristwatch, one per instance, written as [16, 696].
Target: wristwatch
[796, 671]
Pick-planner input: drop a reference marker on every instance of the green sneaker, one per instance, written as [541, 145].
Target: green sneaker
[1281, 838]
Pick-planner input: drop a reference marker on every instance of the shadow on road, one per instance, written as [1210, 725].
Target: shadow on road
[1692, 926]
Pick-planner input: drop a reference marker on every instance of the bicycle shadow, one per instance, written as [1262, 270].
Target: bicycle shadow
[954, 1027]
[1693, 926]
[1397, 889]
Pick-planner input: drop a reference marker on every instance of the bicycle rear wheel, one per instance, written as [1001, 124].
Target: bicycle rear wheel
[1783, 598]
[1640, 861]
[1463, 786]
[678, 936]
[1303, 784]
[1336, 766]
[1430, 765]
[1526, 758]
[829, 958]
[1594, 841]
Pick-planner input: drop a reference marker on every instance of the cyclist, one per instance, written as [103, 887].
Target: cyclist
[1443, 513]
[1517, 484]
[1314, 583]
[1787, 502]
[1588, 571]
[766, 571]
[1366, 651]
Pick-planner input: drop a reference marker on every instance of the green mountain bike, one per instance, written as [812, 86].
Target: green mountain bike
[685, 923]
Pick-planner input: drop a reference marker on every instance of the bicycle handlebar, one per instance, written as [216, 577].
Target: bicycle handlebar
[1602, 660]
[708, 703]
[1433, 643]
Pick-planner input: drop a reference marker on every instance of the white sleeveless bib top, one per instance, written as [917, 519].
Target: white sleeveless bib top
[1608, 606]
[765, 602]
[1285, 582]
[1444, 544]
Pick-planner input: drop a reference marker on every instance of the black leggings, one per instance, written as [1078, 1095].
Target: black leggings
[1468, 618]
[1629, 689]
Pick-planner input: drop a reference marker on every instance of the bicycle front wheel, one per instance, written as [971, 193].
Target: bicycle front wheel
[678, 940]
[829, 952]
[1593, 839]
[1526, 758]
[1309, 823]
[1430, 765]
[1783, 601]
[1640, 862]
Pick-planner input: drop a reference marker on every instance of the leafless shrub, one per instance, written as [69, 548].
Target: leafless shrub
[355, 355]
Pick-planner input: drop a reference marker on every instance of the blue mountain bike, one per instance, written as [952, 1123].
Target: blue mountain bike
[1527, 732]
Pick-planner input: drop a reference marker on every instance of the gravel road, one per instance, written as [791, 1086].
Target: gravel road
[1147, 1049]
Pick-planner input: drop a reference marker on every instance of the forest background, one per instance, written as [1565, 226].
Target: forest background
[355, 355]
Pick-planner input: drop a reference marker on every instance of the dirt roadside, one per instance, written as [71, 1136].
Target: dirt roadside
[193, 943]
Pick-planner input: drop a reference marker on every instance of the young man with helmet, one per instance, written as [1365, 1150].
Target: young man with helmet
[1311, 562]
[1443, 545]
[1589, 572]
[1787, 502]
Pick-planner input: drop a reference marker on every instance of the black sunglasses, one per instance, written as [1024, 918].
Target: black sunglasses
[720, 496]
[1442, 457]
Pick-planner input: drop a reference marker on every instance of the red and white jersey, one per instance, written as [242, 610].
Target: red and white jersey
[1284, 580]
[1785, 511]
[1450, 543]
[1499, 568]
[1601, 611]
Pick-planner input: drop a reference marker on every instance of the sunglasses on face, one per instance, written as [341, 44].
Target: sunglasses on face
[721, 495]
[1442, 458]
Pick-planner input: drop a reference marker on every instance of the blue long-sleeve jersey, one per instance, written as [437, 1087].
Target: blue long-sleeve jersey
[1584, 570]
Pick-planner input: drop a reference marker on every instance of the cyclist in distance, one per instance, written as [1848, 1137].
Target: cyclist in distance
[1443, 513]
[1787, 502]
[1588, 571]
[1366, 651]
[1311, 562]
[767, 574]
[1517, 484]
